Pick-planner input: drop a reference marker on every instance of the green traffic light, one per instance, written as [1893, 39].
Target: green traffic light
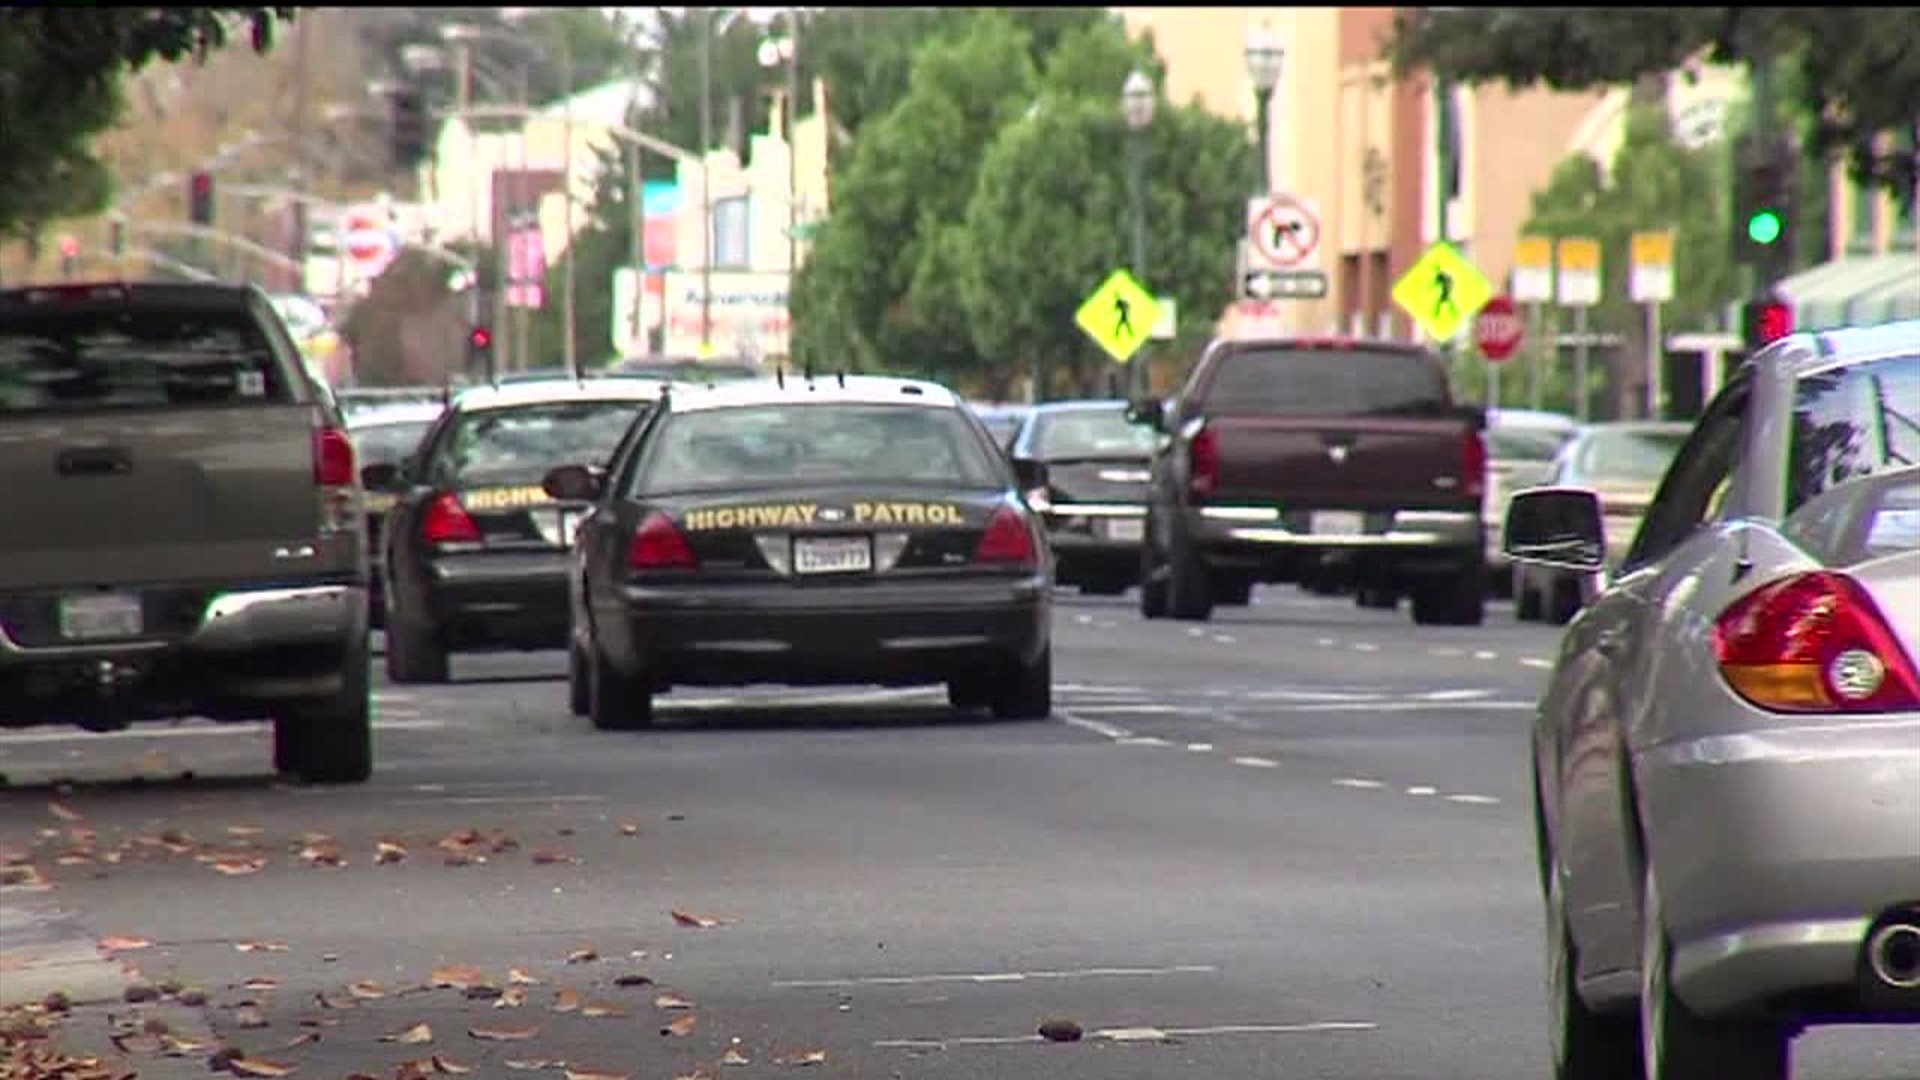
[1765, 226]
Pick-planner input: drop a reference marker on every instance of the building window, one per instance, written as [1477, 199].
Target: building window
[732, 232]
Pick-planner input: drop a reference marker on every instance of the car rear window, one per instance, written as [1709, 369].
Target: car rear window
[520, 444]
[1861, 420]
[1091, 433]
[70, 361]
[1525, 444]
[1627, 455]
[772, 445]
[1286, 381]
[1894, 525]
[386, 444]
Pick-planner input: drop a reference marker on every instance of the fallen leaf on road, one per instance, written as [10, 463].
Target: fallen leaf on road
[517, 977]
[413, 1036]
[249, 1016]
[388, 851]
[511, 998]
[734, 1057]
[247, 1066]
[803, 1058]
[367, 990]
[302, 1039]
[323, 852]
[136, 1044]
[63, 811]
[458, 976]
[600, 1010]
[503, 1034]
[567, 999]
[481, 993]
[1060, 1031]
[236, 865]
[582, 956]
[593, 1074]
[629, 828]
[261, 982]
[321, 999]
[698, 922]
[193, 997]
[530, 1065]
[632, 980]
[451, 1068]
[681, 1025]
[73, 858]
[182, 1045]
[139, 992]
[24, 877]
[261, 946]
[123, 943]
[671, 1001]
[461, 858]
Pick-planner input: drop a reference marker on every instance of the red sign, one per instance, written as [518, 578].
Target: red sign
[368, 235]
[1497, 330]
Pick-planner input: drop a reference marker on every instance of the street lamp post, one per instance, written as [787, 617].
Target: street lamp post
[1136, 106]
[1264, 59]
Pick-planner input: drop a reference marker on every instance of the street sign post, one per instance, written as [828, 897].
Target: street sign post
[1579, 289]
[1650, 282]
[1283, 233]
[1119, 316]
[1443, 291]
[1533, 286]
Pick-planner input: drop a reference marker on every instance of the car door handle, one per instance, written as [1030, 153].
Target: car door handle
[93, 461]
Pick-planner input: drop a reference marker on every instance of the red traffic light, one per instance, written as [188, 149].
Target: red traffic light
[1767, 321]
[202, 184]
[480, 337]
[69, 246]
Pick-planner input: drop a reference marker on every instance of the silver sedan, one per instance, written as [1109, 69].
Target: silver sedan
[1727, 757]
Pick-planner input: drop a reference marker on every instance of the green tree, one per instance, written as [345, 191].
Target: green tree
[1858, 68]
[60, 71]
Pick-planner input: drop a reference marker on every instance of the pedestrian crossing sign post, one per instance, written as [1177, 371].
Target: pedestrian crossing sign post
[1443, 292]
[1119, 316]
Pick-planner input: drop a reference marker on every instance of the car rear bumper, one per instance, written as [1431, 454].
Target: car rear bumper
[901, 633]
[500, 599]
[1414, 544]
[1777, 850]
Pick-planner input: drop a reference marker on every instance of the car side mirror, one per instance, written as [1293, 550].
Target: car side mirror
[380, 476]
[1559, 527]
[572, 483]
[1031, 474]
[1148, 412]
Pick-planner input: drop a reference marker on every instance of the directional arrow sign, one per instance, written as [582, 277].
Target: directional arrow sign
[1284, 284]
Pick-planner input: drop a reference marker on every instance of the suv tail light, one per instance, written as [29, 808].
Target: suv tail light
[447, 522]
[1473, 465]
[1203, 461]
[1814, 642]
[658, 544]
[1008, 540]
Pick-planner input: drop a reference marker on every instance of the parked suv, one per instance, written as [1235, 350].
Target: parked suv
[1283, 453]
[180, 523]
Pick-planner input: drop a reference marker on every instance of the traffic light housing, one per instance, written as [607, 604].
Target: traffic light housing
[1763, 210]
[69, 255]
[116, 238]
[200, 198]
[409, 115]
[1765, 321]
[480, 348]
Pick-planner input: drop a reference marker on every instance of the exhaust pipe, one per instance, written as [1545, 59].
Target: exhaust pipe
[1893, 952]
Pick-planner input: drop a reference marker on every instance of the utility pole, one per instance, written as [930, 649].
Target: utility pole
[793, 154]
[706, 182]
[302, 122]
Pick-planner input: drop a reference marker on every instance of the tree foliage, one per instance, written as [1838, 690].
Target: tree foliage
[60, 79]
[1859, 66]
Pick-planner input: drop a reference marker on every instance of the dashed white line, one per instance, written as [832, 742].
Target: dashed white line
[1196, 632]
[1536, 662]
[1200, 747]
[1485, 654]
[1256, 762]
[1135, 1034]
[502, 800]
[1095, 726]
[1447, 651]
[1224, 639]
[1455, 695]
[1142, 709]
[995, 977]
[1410, 706]
[1142, 740]
[1363, 646]
[1474, 800]
[1422, 791]
[1362, 785]
[1325, 643]
[1096, 688]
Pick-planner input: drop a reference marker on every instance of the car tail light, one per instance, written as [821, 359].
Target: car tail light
[1814, 642]
[1203, 461]
[447, 522]
[659, 545]
[1473, 465]
[1008, 540]
[332, 458]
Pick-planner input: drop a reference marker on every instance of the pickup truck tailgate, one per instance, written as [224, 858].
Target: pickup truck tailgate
[189, 494]
[1384, 463]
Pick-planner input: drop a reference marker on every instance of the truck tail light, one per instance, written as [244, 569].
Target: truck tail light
[1814, 642]
[334, 476]
[1008, 540]
[1203, 458]
[658, 544]
[1473, 465]
[447, 522]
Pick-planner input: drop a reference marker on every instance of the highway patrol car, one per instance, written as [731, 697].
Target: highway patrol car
[807, 531]
[474, 551]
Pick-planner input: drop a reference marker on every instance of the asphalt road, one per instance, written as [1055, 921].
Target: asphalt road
[1292, 842]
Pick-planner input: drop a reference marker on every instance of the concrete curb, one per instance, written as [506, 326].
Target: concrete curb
[42, 949]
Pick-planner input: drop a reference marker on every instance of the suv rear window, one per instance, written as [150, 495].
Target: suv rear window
[68, 361]
[1287, 381]
[1861, 420]
[520, 444]
[772, 445]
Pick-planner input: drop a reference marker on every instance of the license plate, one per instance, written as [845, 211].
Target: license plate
[100, 615]
[1126, 530]
[1338, 523]
[832, 554]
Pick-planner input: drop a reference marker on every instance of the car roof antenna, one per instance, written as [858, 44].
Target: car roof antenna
[807, 368]
[780, 376]
[842, 376]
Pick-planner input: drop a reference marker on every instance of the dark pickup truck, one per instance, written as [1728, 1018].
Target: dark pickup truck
[1285, 453]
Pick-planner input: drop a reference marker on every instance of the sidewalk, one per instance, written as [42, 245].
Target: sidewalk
[43, 949]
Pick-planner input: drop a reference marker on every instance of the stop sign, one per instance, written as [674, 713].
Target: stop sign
[369, 240]
[1497, 330]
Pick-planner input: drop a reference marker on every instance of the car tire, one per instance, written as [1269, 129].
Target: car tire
[331, 742]
[1189, 586]
[1026, 691]
[1376, 598]
[1585, 1045]
[1153, 581]
[1456, 601]
[1563, 602]
[616, 702]
[415, 655]
[579, 693]
[1678, 1044]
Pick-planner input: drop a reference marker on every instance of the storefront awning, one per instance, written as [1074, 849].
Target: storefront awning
[1855, 292]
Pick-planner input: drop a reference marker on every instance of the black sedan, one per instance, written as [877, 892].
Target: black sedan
[1093, 497]
[807, 532]
[475, 552]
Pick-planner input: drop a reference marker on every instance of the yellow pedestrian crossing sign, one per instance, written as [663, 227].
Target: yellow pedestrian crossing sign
[1119, 316]
[1443, 291]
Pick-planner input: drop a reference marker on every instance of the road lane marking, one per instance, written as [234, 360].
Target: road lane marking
[1410, 706]
[995, 977]
[1448, 651]
[140, 732]
[1097, 688]
[1455, 695]
[1122, 708]
[1362, 785]
[1257, 762]
[1200, 747]
[1314, 695]
[1135, 1034]
[501, 800]
[1485, 654]
[1142, 740]
[1095, 726]
[1421, 791]
[1224, 639]
[1363, 646]
[792, 701]
[1474, 800]
[1537, 662]
[1325, 643]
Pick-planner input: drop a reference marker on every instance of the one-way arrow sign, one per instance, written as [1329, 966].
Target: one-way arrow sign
[1284, 284]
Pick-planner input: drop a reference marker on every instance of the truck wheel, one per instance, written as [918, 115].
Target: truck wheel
[414, 654]
[1189, 586]
[617, 702]
[1457, 601]
[1153, 583]
[579, 694]
[1026, 692]
[330, 742]
[1563, 602]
